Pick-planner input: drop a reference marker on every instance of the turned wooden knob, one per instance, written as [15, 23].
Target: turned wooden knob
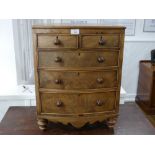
[101, 41]
[58, 81]
[58, 59]
[99, 103]
[100, 59]
[100, 80]
[59, 103]
[57, 41]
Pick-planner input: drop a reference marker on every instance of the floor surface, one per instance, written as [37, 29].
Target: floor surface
[22, 120]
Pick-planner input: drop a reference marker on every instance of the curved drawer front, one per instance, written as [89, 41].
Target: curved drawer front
[78, 59]
[77, 103]
[100, 41]
[57, 41]
[78, 79]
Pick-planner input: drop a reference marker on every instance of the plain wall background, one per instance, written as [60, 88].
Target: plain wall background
[8, 78]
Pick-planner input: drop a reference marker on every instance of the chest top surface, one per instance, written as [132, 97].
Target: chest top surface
[86, 26]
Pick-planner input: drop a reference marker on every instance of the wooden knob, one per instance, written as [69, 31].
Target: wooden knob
[99, 103]
[58, 81]
[101, 41]
[57, 41]
[100, 59]
[59, 103]
[58, 59]
[100, 80]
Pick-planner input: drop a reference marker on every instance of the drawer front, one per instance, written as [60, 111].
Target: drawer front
[98, 102]
[59, 103]
[78, 79]
[100, 41]
[78, 59]
[77, 103]
[57, 41]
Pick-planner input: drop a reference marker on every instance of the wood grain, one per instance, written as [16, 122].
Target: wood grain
[92, 41]
[77, 103]
[78, 79]
[78, 58]
[66, 41]
[78, 74]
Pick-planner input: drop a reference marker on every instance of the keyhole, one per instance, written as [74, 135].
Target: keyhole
[79, 54]
[78, 73]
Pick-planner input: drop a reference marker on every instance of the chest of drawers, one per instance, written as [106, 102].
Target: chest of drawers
[77, 73]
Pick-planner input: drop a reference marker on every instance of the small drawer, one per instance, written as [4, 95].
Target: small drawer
[107, 58]
[100, 41]
[57, 41]
[78, 79]
[59, 103]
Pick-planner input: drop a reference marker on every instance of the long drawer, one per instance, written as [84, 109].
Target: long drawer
[79, 58]
[59, 103]
[78, 79]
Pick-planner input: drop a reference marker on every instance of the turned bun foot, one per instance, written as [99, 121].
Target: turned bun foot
[111, 123]
[42, 123]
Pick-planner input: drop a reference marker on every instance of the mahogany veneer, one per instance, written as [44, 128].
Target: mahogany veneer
[78, 75]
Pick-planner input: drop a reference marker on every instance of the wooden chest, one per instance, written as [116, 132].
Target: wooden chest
[78, 73]
[146, 87]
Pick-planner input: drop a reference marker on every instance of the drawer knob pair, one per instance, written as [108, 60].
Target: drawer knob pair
[100, 59]
[59, 103]
[57, 41]
[58, 81]
[99, 103]
[101, 41]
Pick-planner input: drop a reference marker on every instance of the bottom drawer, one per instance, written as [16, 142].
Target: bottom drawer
[62, 103]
